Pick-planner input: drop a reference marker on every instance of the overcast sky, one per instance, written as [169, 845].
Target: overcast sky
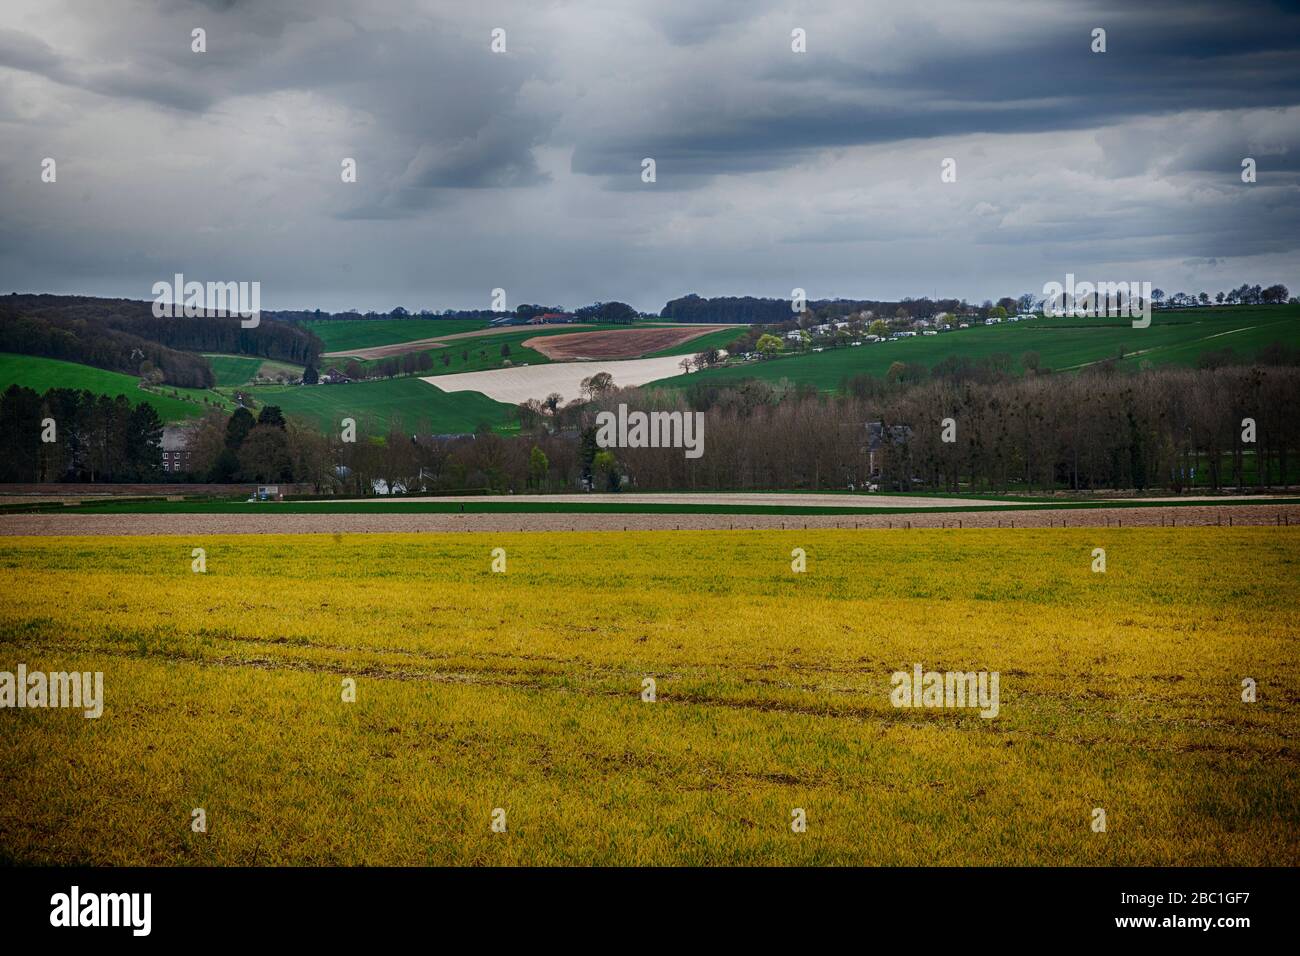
[522, 170]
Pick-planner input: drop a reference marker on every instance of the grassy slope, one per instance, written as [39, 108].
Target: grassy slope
[364, 333]
[41, 374]
[522, 691]
[1060, 343]
[417, 405]
[232, 370]
[718, 340]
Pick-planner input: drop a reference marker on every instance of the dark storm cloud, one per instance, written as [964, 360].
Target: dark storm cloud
[522, 170]
[1161, 58]
[446, 108]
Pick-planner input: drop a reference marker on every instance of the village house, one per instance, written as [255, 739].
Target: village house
[176, 451]
[899, 436]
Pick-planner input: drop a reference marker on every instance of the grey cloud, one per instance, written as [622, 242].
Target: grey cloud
[478, 170]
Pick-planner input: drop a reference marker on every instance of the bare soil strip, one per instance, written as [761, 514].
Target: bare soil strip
[270, 523]
[772, 499]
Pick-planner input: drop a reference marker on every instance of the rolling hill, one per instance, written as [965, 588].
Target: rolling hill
[1179, 337]
[341, 334]
[375, 405]
[232, 371]
[41, 374]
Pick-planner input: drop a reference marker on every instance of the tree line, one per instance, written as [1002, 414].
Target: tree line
[760, 311]
[75, 435]
[605, 312]
[979, 429]
[778, 312]
[1099, 430]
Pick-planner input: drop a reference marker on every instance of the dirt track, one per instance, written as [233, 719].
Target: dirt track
[199, 524]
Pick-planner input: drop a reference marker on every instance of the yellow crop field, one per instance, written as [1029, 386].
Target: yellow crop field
[517, 698]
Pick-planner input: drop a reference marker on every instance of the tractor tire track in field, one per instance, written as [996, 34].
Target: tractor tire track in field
[887, 718]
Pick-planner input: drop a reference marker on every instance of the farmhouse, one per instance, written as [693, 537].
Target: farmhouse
[899, 435]
[176, 452]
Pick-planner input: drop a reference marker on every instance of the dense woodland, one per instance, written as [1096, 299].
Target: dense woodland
[122, 335]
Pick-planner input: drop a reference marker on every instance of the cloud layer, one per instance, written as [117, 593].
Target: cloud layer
[522, 169]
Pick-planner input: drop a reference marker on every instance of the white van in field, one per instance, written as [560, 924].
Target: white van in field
[929, 332]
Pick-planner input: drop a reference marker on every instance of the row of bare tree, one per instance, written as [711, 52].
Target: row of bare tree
[1163, 428]
[1159, 428]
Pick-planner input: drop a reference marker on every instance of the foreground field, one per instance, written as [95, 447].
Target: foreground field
[520, 691]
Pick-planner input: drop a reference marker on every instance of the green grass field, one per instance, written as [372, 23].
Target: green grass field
[233, 371]
[1061, 344]
[523, 691]
[41, 374]
[718, 340]
[417, 406]
[367, 333]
